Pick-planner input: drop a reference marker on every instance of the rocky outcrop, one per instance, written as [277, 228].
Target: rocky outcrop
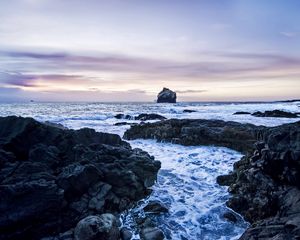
[265, 185]
[51, 177]
[276, 114]
[151, 116]
[166, 96]
[141, 117]
[234, 135]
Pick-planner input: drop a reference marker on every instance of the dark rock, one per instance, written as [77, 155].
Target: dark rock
[121, 123]
[266, 181]
[226, 180]
[97, 227]
[125, 234]
[276, 114]
[123, 116]
[152, 233]
[241, 113]
[234, 135]
[151, 116]
[155, 207]
[51, 177]
[166, 96]
[266, 191]
[189, 111]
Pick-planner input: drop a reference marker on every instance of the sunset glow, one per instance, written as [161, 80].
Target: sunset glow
[53, 50]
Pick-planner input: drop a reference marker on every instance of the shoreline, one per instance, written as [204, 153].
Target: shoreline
[210, 131]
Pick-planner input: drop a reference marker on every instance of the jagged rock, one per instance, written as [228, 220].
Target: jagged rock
[235, 135]
[226, 180]
[97, 227]
[276, 114]
[155, 207]
[266, 189]
[166, 96]
[265, 184]
[51, 177]
[151, 116]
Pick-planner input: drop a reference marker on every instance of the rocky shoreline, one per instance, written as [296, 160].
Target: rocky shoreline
[51, 178]
[57, 183]
[238, 136]
[265, 182]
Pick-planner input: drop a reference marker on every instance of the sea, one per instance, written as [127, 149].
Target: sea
[186, 182]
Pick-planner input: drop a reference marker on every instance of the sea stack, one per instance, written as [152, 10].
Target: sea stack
[166, 96]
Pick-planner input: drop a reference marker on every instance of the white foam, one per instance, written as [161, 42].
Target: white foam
[187, 185]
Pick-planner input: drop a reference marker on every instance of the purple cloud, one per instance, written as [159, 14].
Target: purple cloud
[249, 65]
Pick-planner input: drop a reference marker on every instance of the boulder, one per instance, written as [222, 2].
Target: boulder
[166, 96]
[151, 233]
[125, 234]
[156, 207]
[97, 227]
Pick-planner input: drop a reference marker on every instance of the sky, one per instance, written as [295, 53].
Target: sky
[128, 50]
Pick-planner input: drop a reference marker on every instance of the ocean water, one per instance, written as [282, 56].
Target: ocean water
[187, 180]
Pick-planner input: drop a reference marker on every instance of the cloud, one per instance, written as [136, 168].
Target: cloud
[36, 80]
[290, 34]
[190, 91]
[93, 70]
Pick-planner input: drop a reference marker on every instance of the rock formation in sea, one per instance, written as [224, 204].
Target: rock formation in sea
[166, 96]
[238, 136]
[265, 183]
[275, 113]
[51, 178]
[141, 117]
[241, 113]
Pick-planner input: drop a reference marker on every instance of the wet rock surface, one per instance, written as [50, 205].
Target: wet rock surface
[275, 113]
[266, 188]
[151, 116]
[166, 96]
[51, 177]
[123, 116]
[97, 227]
[265, 183]
[241, 113]
[234, 135]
